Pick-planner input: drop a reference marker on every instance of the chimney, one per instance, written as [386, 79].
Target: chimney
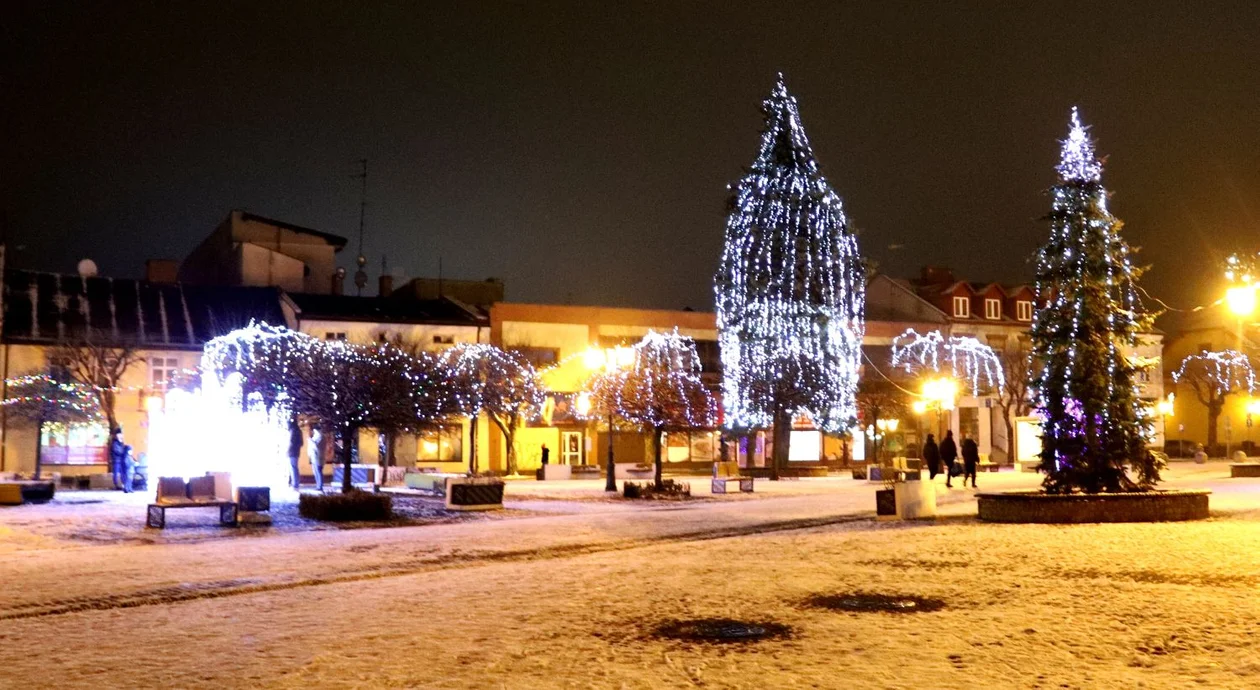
[161, 271]
[386, 285]
[338, 281]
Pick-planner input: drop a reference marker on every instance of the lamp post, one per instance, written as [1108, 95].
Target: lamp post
[609, 359]
[938, 393]
[1165, 409]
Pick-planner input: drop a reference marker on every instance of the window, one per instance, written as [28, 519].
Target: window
[162, 371]
[443, 340]
[710, 356]
[993, 309]
[1023, 310]
[335, 335]
[962, 307]
[540, 357]
[443, 444]
[59, 366]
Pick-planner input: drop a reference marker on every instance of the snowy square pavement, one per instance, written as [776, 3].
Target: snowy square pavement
[565, 593]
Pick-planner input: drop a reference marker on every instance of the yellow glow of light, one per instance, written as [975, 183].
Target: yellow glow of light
[919, 406]
[1241, 299]
[594, 358]
[1253, 406]
[583, 404]
[942, 391]
[1165, 407]
[888, 424]
[153, 403]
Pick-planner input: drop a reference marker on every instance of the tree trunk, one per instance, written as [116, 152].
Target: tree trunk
[782, 442]
[656, 442]
[509, 440]
[39, 449]
[472, 448]
[107, 405]
[1214, 414]
[347, 458]
[1011, 451]
[610, 482]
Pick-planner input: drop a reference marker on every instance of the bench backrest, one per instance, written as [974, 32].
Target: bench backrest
[171, 487]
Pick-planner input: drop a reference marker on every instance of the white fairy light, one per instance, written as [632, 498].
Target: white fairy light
[790, 288]
[968, 358]
[1225, 370]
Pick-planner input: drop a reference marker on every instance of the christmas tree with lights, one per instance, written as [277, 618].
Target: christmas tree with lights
[790, 291]
[1089, 319]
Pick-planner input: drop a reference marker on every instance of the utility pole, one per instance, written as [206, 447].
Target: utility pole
[360, 276]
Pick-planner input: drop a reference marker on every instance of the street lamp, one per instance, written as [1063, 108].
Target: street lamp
[608, 359]
[939, 393]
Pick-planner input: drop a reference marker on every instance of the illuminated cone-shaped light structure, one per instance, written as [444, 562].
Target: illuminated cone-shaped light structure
[1089, 319]
[790, 290]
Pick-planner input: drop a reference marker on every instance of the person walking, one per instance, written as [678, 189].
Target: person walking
[949, 454]
[295, 451]
[932, 456]
[117, 456]
[315, 452]
[971, 458]
[128, 470]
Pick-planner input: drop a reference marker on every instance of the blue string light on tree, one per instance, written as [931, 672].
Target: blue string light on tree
[790, 289]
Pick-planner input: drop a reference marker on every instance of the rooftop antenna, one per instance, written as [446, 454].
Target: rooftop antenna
[439, 277]
[360, 276]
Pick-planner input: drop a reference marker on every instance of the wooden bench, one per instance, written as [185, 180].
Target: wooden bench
[726, 472]
[198, 492]
[987, 467]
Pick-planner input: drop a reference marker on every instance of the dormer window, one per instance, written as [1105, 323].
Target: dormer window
[993, 309]
[962, 308]
[1023, 310]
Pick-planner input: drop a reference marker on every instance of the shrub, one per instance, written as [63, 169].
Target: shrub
[345, 507]
[669, 489]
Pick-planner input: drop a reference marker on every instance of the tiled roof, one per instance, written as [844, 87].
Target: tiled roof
[51, 308]
[387, 310]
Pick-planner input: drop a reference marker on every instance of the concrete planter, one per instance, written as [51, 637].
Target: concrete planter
[474, 493]
[631, 470]
[1037, 507]
[915, 499]
[1244, 469]
[555, 472]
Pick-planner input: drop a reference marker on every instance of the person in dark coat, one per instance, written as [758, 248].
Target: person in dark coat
[546, 455]
[117, 456]
[295, 451]
[971, 458]
[949, 453]
[932, 456]
[128, 470]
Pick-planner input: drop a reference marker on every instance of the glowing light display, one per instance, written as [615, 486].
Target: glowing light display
[1223, 372]
[790, 287]
[968, 358]
[1088, 315]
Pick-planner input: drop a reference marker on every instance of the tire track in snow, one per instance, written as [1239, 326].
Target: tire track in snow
[196, 591]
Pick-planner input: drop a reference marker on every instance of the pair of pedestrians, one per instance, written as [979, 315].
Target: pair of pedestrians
[946, 455]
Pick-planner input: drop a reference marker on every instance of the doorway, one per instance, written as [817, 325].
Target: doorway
[571, 448]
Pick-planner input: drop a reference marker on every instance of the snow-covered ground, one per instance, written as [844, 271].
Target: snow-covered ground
[567, 594]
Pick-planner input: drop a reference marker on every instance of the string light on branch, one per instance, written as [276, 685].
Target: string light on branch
[1225, 371]
[968, 359]
[790, 288]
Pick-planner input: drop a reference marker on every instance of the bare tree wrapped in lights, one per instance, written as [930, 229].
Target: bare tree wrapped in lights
[968, 359]
[40, 400]
[504, 385]
[1214, 376]
[790, 291]
[660, 392]
[344, 387]
[1089, 315]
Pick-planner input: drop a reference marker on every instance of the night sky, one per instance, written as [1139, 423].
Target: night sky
[581, 151]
